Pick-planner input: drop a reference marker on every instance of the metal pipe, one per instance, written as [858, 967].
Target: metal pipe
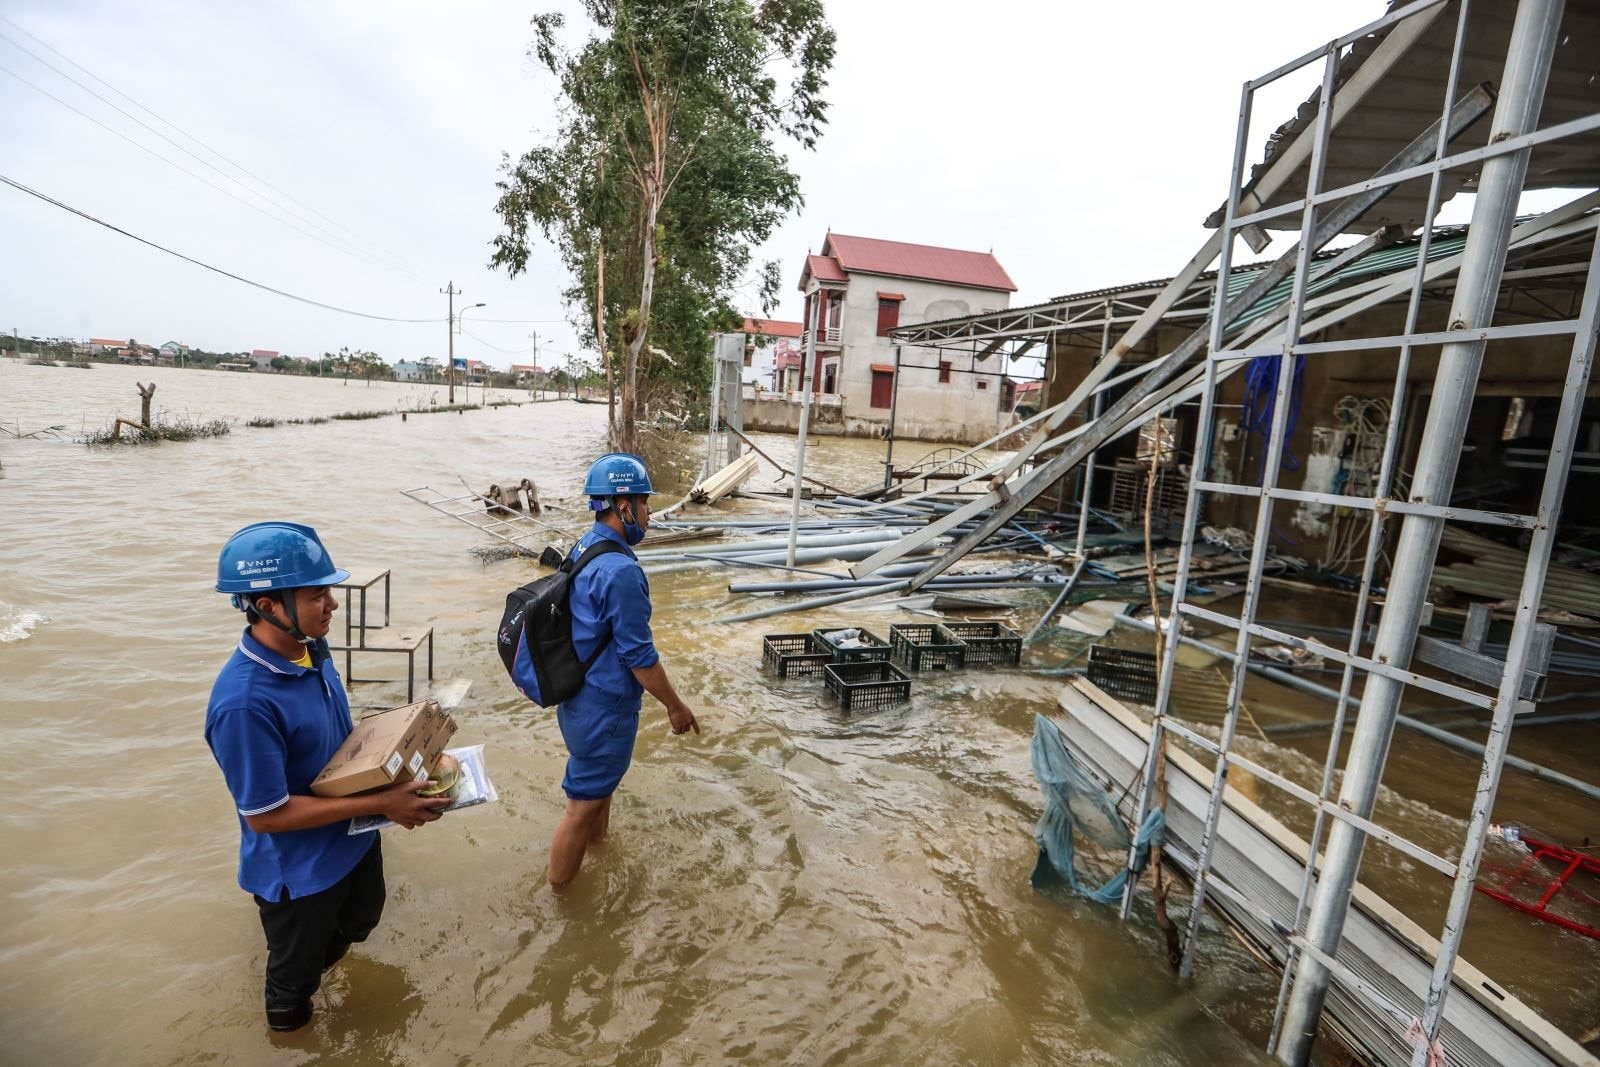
[846, 553]
[716, 411]
[984, 581]
[1055, 606]
[805, 419]
[1375, 530]
[819, 602]
[1293, 681]
[1527, 68]
[745, 548]
[894, 406]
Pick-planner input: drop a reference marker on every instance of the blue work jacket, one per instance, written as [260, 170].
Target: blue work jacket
[272, 726]
[611, 603]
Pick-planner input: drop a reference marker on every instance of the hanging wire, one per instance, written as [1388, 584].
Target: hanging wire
[190, 259]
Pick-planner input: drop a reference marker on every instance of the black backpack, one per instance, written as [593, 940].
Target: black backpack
[535, 635]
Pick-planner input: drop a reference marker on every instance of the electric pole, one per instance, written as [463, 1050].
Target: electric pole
[452, 292]
[537, 372]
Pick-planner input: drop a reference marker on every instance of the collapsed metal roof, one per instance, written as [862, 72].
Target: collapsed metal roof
[1401, 91]
[1089, 311]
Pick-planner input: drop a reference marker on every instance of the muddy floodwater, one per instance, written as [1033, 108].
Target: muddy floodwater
[792, 886]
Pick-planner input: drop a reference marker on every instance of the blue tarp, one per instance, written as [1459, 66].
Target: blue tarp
[1075, 803]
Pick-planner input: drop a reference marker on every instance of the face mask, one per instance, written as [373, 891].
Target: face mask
[632, 532]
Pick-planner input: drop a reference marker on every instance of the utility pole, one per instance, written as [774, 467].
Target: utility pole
[538, 374]
[452, 292]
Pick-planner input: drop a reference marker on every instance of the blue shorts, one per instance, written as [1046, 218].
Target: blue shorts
[599, 738]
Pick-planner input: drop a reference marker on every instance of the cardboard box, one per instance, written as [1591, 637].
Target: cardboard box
[387, 747]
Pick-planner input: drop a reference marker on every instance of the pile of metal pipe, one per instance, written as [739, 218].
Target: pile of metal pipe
[845, 546]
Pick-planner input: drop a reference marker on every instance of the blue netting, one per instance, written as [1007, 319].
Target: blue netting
[1261, 397]
[1075, 802]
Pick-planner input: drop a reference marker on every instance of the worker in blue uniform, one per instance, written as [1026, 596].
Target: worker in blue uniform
[277, 714]
[610, 605]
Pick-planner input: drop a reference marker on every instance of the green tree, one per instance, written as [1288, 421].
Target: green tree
[665, 173]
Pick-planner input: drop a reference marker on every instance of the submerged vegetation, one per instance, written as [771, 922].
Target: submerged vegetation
[162, 428]
[167, 428]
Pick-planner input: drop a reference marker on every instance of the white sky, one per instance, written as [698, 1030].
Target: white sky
[1082, 143]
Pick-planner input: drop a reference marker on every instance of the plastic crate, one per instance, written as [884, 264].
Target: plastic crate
[792, 654]
[988, 643]
[927, 646]
[875, 649]
[867, 686]
[1124, 673]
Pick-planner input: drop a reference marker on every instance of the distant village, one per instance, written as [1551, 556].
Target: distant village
[858, 290]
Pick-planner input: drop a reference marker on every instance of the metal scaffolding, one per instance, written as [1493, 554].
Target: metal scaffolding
[1528, 49]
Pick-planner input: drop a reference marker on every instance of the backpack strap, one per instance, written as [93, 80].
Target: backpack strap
[572, 566]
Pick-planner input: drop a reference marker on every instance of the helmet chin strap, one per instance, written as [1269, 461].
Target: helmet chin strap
[293, 629]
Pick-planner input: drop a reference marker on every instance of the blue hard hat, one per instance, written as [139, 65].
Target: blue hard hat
[275, 555]
[617, 474]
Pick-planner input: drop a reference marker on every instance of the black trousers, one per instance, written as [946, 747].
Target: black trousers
[307, 935]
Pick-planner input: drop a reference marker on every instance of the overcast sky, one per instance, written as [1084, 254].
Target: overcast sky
[1082, 143]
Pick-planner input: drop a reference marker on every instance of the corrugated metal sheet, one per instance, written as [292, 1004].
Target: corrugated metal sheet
[1389, 260]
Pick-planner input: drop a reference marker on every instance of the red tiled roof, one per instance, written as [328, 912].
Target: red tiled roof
[898, 259]
[773, 328]
[822, 268]
[788, 359]
[106, 342]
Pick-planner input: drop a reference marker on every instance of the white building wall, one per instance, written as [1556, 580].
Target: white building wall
[759, 372]
[960, 409]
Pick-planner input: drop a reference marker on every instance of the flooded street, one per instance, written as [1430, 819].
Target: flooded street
[794, 885]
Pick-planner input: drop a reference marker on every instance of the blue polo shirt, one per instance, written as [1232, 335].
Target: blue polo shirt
[273, 726]
[610, 598]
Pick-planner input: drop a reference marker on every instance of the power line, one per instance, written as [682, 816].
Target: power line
[182, 132]
[521, 322]
[178, 166]
[497, 348]
[190, 259]
[134, 118]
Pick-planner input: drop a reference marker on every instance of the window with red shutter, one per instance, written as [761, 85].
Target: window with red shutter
[944, 371]
[888, 315]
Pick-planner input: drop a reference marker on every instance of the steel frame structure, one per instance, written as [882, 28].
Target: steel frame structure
[1312, 946]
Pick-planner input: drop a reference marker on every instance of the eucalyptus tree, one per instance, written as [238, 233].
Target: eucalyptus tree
[665, 171]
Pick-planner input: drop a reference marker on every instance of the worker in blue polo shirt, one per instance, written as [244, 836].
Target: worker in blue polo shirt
[610, 604]
[277, 714]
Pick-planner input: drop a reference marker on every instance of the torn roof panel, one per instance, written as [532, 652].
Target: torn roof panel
[1407, 98]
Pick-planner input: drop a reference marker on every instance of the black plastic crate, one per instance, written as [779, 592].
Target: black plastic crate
[792, 654]
[988, 643]
[875, 649]
[1124, 673]
[926, 646]
[867, 686]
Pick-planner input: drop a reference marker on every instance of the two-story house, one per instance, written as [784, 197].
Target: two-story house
[862, 288]
[766, 341]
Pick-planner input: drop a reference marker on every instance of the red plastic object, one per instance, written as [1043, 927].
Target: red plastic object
[1565, 860]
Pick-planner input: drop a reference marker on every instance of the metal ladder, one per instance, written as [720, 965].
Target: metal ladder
[1323, 900]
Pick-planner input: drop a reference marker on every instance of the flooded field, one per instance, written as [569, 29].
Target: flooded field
[792, 886]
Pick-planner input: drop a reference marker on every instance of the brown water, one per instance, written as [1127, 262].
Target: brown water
[792, 886]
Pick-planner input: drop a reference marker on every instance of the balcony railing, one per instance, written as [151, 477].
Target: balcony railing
[828, 336]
